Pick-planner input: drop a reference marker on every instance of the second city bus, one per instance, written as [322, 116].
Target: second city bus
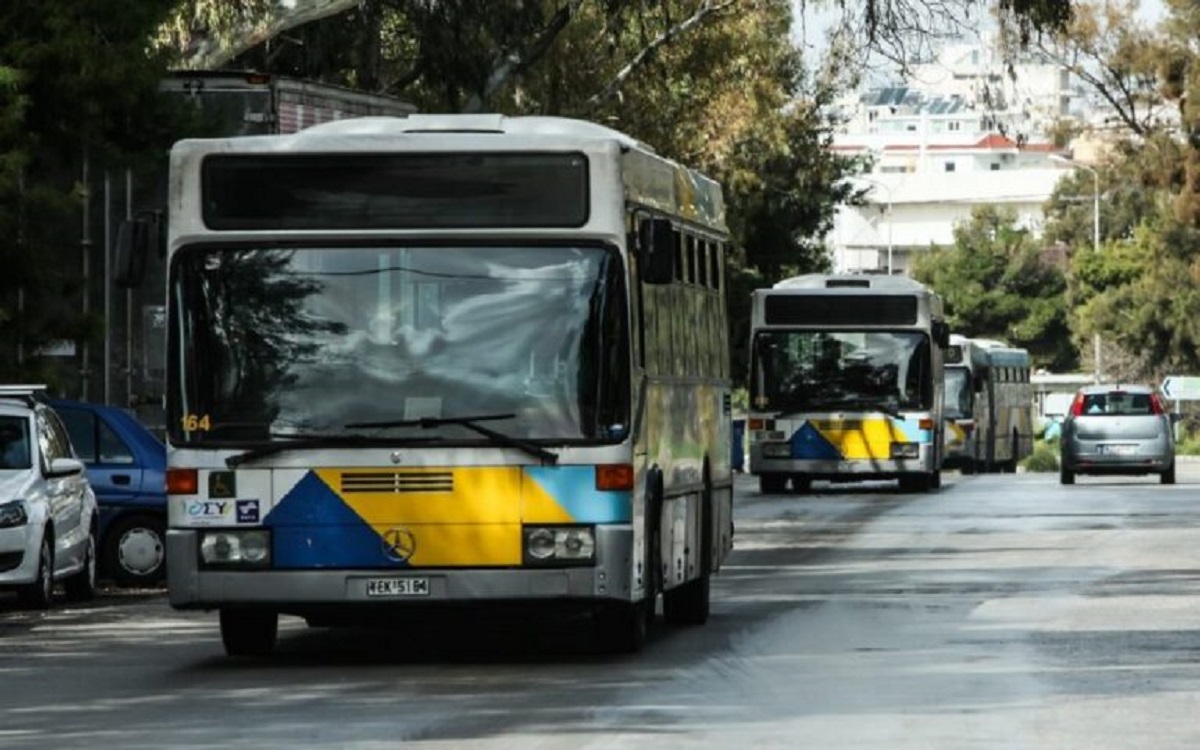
[846, 382]
[989, 405]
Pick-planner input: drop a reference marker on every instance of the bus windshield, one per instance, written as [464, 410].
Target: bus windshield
[958, 393]
[805, 370]
[275, 341]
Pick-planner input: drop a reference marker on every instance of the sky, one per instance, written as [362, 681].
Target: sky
[811, 22]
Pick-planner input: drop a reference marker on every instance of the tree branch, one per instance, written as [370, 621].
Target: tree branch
[706, 9]
[514, 62]
[210, 52]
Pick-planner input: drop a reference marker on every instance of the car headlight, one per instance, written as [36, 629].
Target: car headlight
[13, 514]
[559, 545]
[244, 548]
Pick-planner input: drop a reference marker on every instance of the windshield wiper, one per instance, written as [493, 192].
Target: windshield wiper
[288, 441]
[471, 423]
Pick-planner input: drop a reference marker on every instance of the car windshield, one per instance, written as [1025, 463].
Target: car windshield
[302, 341]
[14, 443]
[1117, 404]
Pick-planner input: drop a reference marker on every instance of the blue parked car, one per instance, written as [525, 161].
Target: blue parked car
[126, 466]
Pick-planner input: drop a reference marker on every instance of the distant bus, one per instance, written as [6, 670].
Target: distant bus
[989, 405]
[846, 382]
[445, 360]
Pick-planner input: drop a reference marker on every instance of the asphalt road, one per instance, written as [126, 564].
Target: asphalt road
[1004, 611]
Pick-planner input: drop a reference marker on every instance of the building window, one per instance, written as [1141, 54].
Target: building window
[995, 166]
[949, 166]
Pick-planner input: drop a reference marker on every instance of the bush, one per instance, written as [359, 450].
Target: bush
[1043, 458]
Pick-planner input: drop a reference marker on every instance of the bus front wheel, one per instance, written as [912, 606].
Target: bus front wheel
[248, 632]
[771, 484]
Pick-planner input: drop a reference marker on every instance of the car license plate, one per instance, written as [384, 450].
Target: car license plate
[397, 587]
[1118, 449]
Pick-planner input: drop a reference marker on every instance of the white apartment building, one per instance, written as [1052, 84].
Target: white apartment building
[958, 137]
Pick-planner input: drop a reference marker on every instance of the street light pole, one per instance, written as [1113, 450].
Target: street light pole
[1095, 239]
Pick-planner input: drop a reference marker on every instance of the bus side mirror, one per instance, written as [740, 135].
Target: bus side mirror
[656, 251]
[941, 334]
[137, 238]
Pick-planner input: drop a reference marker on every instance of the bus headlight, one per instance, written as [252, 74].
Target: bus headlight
[559, 545]
[245, 548]
[906, 450]
[777, 450]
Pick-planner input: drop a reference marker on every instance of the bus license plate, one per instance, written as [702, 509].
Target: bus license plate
[1118, 449]
[397, 587]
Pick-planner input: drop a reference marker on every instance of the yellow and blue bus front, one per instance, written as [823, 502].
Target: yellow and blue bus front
[842, 445]
[301, 538]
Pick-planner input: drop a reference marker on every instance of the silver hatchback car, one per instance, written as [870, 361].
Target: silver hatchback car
[1118, 429]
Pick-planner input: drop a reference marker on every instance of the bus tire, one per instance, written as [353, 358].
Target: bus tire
[935, 480]
[801, 483]
[772, 484]
[622, 626]
[689, 604]
[249, 632]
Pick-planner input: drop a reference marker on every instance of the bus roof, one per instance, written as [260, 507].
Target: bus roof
[481, 124]
[847, 281]
[649, 179]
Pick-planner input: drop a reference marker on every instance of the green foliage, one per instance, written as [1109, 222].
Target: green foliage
[76, 81]
[1044, 457]
[996, 284]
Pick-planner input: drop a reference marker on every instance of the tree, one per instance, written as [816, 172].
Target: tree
[995, 283]
[76, 87]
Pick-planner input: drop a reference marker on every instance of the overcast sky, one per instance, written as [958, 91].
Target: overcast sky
[812, 22]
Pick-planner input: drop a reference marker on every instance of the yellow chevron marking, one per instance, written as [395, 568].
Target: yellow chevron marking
[859, 439]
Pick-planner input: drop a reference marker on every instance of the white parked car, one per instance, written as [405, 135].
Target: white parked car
[48, 514]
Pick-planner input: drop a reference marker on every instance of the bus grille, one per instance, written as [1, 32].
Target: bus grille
[397, 481]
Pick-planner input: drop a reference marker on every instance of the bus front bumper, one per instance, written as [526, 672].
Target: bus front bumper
[191, 587]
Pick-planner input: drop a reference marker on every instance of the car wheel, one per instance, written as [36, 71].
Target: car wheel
[81, 587]
[40, 592]
[135, 551]
[249, 632]
[1168, 476]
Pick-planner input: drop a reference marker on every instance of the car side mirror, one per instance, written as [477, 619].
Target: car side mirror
[65, 467]
[941, 334]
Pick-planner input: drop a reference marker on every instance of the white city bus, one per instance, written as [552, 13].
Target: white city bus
[989, 405]
[441, 360]
[846, 382]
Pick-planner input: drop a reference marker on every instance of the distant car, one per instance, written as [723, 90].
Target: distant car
[1118, 429]
[48, 512]
[126, 465]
